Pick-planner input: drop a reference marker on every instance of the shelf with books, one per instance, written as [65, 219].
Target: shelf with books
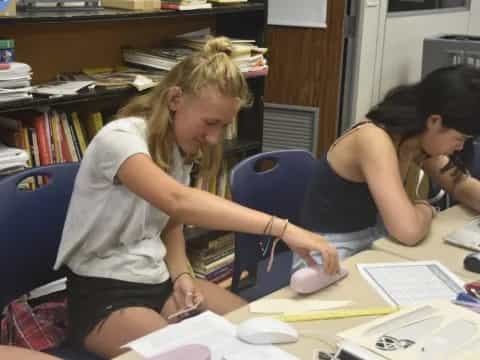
[108, 14]
[192, 233]
[39, 101]
[97, 94]
[236, 146]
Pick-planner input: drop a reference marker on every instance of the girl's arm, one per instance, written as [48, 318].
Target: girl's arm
[174, 241]
[464, 188]
[378, 160]
[187, 205]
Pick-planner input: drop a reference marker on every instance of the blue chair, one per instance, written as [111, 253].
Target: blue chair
[31, 224]
[273, 182]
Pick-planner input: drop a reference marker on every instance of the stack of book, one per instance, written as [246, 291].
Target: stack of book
[118, 78]
[245, 53]
[158, 58]
[12, 159]
[185, 4]
[15, 80]
[212, 260]
[50, 137]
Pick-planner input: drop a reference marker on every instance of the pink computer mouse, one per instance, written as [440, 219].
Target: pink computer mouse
[185, 352]
[310, 279]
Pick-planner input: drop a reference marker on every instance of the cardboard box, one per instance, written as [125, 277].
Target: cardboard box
[133, 4]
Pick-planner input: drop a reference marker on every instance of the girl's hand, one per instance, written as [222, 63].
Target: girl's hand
[186, 296]
[303, 242]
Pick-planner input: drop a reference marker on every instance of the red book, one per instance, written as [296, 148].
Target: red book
[175, 6]
[67, 157]
[43, 149]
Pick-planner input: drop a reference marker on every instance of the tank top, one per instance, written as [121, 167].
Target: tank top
[334, 204]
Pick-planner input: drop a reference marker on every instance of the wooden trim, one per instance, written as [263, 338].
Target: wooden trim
[69, 47]
[305, 69]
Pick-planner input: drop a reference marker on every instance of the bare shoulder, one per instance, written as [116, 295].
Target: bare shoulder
[370, 138]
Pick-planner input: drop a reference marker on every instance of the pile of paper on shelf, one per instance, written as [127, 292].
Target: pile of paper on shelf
[15, 82]
[12, 159]
[244, 52]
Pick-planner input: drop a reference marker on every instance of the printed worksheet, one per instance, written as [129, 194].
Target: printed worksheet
[413, 282]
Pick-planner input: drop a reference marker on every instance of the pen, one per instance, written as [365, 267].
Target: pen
[467, 298]
[468, 304]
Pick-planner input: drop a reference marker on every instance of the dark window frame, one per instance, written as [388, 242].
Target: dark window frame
[400, 6]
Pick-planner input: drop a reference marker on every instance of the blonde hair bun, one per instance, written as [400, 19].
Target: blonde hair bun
[215, 45]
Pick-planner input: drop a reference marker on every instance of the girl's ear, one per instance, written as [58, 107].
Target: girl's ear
[435, 122]
[174, 95]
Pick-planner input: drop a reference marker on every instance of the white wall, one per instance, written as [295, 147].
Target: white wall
[403, 44]
[366, 52]
[389, 48]
[474, 23]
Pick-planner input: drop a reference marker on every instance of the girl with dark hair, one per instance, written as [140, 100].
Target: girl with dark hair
[430, 124]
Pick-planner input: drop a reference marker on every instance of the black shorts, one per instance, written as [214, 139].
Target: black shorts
[91, 300]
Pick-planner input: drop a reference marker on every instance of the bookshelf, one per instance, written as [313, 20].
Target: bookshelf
[67, 41]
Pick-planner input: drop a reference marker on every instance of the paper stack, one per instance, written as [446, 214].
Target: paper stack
[244, 52]
[15, 82]
[12, 159]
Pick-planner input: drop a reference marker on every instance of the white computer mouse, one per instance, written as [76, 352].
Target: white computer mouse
[266, 330]
[310, 279]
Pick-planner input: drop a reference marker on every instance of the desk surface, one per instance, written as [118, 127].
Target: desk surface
[320, 334]
[433, 246]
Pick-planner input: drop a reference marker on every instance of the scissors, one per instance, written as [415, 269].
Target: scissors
[473, 288]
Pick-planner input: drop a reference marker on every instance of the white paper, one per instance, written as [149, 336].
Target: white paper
[303, 13]
[62, 87]
[455, 337]
[288, 306]
[211, 330]
[413, 282]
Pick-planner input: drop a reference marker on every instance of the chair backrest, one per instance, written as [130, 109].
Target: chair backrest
[31, 224]
[278, 190]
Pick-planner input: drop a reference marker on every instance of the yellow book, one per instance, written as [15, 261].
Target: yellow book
[57, 147]
[98, 121]
[29, 181]
[93, 124]
[90, 126]
[79, 131]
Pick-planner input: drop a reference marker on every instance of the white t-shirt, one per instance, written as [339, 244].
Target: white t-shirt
[109, 231]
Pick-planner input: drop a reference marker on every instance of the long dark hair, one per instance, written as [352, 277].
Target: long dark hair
[452, 92]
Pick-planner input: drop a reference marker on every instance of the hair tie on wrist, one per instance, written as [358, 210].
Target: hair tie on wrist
[275, 241]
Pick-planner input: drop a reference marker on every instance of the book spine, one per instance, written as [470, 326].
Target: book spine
[79, 132]
[49, 132]
[69, 136]
[36, 153]
[74, 138]
[67, 156]
[43, 150]
[56, 140]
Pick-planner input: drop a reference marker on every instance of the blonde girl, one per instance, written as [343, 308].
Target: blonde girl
[123, 243]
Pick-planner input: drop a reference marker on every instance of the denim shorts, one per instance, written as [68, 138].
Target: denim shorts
[347, 244]
[91, 300]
